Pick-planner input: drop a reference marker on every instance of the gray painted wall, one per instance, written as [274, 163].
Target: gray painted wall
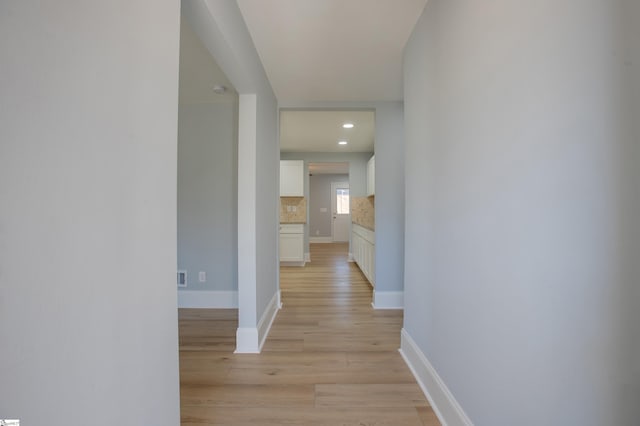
[207, 194]
[389, 198]
[88, 322]
[357, 173]
[268, 200]
[521, 259]
[320, 196]
[221, 28]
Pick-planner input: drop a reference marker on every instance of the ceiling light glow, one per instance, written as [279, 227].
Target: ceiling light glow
[342, 142]
[348, 125]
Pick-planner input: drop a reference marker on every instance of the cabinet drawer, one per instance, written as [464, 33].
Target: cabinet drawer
[291, 228]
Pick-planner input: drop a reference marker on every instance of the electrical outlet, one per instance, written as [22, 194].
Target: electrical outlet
[202, 276]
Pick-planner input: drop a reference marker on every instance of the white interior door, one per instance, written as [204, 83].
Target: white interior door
[341, 209]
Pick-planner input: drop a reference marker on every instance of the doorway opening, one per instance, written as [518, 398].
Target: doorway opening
[329, 202]
[340, 206]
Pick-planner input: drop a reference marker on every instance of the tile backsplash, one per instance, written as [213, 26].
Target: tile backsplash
[363, 212]
[293, 210]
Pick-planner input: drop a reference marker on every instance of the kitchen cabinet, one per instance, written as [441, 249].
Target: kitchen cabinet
[292, 243]
[291, 178]
[363, 247]
[371, 176]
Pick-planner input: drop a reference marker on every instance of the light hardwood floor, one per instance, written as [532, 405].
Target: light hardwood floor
[330, 359]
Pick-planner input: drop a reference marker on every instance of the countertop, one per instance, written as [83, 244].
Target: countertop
[365, 227]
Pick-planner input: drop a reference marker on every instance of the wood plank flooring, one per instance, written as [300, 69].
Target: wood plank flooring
[330, 359]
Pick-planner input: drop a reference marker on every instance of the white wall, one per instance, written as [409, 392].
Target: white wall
[521, 208]
[88, 126]
[207, 195]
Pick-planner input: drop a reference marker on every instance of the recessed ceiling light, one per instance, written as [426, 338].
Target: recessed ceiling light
[348, 125]
[342, 142]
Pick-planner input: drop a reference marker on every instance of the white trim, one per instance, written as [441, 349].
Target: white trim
[247, 334]
[250, 340]
[388, 300]
[449, 412]
[318, 240]
[307, 257]
[207, 299]
[247, 341]
[270, 313]
[351, 259]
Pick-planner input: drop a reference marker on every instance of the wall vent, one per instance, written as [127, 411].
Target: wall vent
[182, 278]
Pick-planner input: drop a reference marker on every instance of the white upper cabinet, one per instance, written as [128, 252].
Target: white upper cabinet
[371, 176]
[291, 178]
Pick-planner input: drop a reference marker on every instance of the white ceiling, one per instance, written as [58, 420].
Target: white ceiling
[199, 72]
[320, 131]
[315, 50]
[332, 50]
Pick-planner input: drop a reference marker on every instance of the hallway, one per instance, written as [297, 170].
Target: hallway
[330, 359]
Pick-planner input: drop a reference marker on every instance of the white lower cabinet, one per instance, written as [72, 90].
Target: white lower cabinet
[363, 244]
[292, 243]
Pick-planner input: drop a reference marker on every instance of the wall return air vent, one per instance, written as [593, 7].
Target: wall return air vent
[181, 278]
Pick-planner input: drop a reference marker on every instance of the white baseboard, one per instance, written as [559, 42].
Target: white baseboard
[388, 299]
[321, 239]
[207, 299]
[264, 325]
[442, 401]
[287, 263]
[307, 257]
[351, 259]
[247, 341]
